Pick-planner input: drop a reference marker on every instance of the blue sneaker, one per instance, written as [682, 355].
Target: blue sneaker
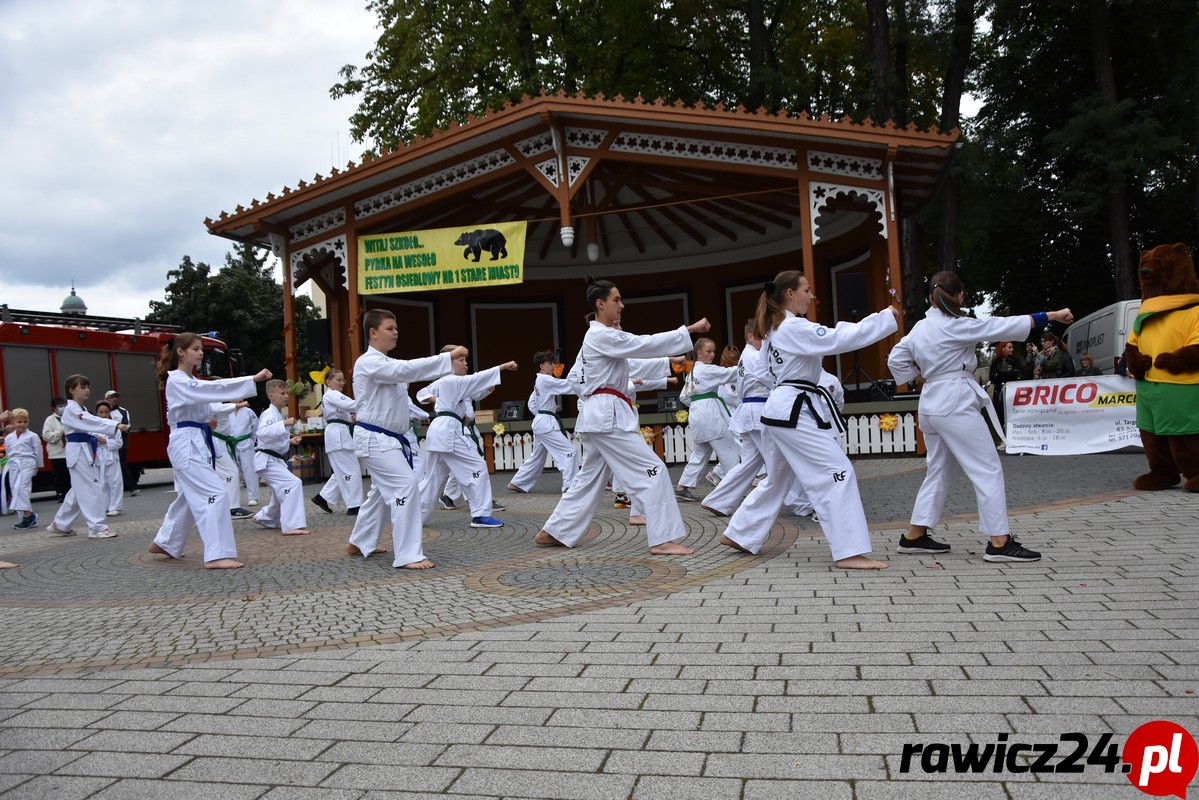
[485, 522]
[26, 523]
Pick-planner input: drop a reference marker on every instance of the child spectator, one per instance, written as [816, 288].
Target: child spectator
[56, 448]
[110, 463]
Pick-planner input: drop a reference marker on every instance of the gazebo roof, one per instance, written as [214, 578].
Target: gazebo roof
[654, 183]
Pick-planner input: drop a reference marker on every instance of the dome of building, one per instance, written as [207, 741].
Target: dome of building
[73, 303]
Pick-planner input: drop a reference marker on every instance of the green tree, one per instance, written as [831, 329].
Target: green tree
[243, 303]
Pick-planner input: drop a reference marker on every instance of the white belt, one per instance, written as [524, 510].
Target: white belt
[988, 406]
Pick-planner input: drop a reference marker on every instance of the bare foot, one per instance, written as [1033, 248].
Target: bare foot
[354, 551]
[156, 550]
[512, 487]
[670, 549]
[861, 562]
[297, 532]
[727, 542]
[713, 511]
[223, 563]
[425, 564]
[545, 540]
[637, 520]
[7, 565]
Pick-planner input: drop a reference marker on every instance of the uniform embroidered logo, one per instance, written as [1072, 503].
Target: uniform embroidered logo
[286, 492]
[401, 500]
[822, 331]
[652, 472]
[476, 474]
[211, 499]
[838, 476]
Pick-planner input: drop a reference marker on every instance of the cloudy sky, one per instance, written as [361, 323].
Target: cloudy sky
[127, 123]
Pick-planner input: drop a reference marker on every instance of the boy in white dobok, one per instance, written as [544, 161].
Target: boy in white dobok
[226, 455]
[88, 496]
[381, 390]
[346, 482]
[549, 434]
[608, 426]
[450, 445]
[274, 439]
[243, 424]
[109, 457]
[24, 450]
[708, 419]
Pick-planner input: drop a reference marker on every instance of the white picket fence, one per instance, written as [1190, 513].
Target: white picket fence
[862, 437]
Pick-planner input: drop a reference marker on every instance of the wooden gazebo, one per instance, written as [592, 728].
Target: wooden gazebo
[687, 209]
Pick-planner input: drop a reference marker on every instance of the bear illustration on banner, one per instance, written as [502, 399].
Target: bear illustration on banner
[477, 241]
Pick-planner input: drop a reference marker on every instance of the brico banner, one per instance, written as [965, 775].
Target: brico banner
[441, 258]
[1070, 416]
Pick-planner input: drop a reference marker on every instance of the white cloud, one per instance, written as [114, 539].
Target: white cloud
[129, 123]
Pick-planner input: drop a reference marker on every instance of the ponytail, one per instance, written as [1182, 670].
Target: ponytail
[771, 312]
[169, 360]
[946, 286]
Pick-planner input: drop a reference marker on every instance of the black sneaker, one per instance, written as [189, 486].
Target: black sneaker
[445, 502]
[239, 513]
[322, 504]
[1012, 551]
[685, 493]
[925, 544]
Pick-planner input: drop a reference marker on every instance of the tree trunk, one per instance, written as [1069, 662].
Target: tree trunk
[756, 97]
[1117, 192]
[886, 100]
[955, 77]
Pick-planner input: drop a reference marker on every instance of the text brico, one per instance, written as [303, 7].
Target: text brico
[1085, 393]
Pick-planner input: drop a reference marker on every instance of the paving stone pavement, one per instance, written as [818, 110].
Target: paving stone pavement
[602, 672]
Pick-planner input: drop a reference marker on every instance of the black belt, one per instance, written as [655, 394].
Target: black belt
[279, 456]
[207, 436]
[345, 422]
[804, 398]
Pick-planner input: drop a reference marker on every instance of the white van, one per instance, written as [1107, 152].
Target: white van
[1103, 334]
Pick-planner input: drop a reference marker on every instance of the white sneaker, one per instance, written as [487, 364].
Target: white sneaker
[251, 502]
[712, 479]
[113, 513]
[104, 534]
[135, 492]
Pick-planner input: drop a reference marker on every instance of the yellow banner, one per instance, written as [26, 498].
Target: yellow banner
[441, 258]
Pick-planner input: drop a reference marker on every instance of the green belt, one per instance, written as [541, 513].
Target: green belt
[231, 442]
[557, 417]
[272, 453]
[345, 422]
[465, 428]
[712, 396]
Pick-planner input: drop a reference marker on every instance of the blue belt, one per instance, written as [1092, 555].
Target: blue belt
[407, 448]
[207, 436]
[753, 400]
[85, 438]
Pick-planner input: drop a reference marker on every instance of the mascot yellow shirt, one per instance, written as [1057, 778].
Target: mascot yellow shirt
[1167, 334]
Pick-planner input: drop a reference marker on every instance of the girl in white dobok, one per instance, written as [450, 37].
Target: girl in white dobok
[550, 436]
[940, 348]
[608, 426]
[708, 419]
[801, 424]
[193, 454]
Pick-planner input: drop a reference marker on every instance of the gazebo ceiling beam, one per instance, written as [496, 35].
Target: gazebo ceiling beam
[630, 232]
[745, 221]
[656, 228]
[703, 219]
[672, 217]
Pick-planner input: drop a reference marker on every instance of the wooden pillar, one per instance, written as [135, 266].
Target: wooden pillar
[894, 267]
[289, 332]
[357, 336]
[805, 225]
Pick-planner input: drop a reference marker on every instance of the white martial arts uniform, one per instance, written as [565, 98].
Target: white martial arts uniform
[346, 482]
[25, 457]
[800, 436]
[226, 464]
[608, 426]
[941, 348]
[709, 423]
[797, 501]
[89, 495]
[450, 448]
[381, 390]
[752, 390]
[243, 424]
[271, 446]
[109, 457]
[192, 452]
[549, 435]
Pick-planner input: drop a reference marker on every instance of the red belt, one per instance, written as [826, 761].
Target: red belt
[613, 391]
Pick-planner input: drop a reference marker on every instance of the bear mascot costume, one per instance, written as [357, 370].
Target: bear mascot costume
[1163, 356]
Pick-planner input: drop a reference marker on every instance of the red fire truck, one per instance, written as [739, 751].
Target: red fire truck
[39, 350]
